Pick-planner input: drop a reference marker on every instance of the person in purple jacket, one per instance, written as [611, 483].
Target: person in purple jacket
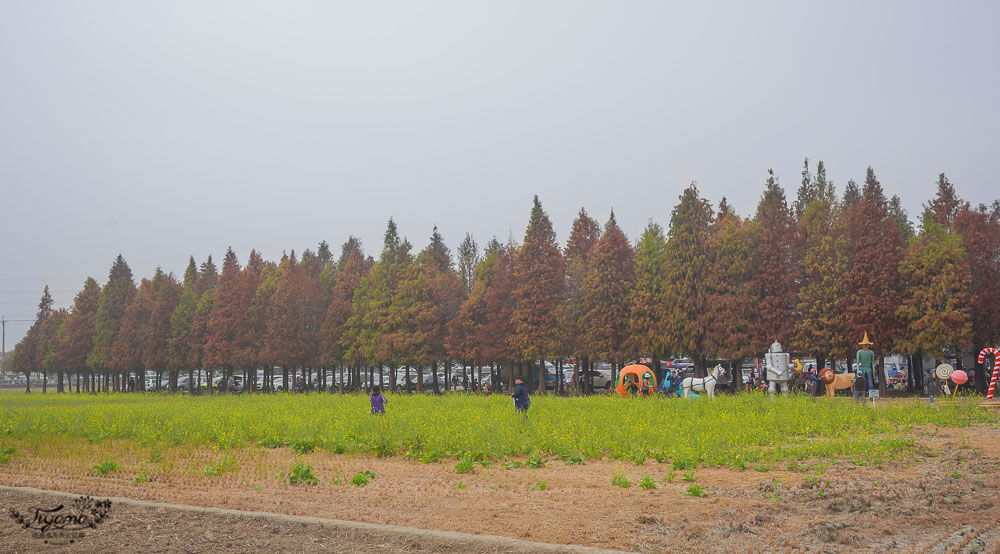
[378, 401]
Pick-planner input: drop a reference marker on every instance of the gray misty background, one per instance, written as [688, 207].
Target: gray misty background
[163, 130]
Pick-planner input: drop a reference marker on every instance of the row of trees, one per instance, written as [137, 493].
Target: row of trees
[815, 274]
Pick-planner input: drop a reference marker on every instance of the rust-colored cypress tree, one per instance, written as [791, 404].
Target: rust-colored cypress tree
[872, 281]
[605, 294]
[775, 286]
[578, 255]
[224, 324]
[130, 342]
[48, 346]
[729, 289]
[165, 294]
[540, 275]
[347, 280]
[980, 231]
[77, 336]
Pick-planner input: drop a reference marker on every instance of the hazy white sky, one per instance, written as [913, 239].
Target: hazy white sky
[160, 130]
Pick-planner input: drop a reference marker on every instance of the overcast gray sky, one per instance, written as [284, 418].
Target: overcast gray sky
[159, 130]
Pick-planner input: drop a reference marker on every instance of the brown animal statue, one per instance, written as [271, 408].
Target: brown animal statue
[834, 381]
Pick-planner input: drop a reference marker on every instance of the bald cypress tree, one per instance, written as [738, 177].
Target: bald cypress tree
[77, 335]
[578, 256]
[935, 306]
[346, 282]
[539, 274]
[648, 311]
[224, 324]
[605, 295]
[775, 285]
[178, 345]
[729, 289]
[115, 299]
[687, 268]
[873, 282]
[165, 294]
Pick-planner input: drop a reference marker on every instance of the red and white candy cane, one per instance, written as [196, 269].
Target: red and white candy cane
[996, 368]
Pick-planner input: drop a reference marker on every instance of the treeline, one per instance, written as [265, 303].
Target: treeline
[815, 274]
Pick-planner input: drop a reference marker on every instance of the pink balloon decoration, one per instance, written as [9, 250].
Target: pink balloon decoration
[958, 377]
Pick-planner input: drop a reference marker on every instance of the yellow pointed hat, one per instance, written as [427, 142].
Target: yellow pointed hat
[866, 341]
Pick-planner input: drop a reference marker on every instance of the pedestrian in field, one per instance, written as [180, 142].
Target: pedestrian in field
[931, 384]
[860, 389]
[378, 401]
[520, 396]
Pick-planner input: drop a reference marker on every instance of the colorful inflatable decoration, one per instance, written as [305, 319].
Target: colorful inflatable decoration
[636, 379]
[996, 368]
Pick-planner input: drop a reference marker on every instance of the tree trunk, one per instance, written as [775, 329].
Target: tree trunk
[420, 377]
[736, 368]
[434, 374]
[880, 368]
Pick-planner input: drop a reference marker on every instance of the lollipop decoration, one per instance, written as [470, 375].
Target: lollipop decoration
[944, 371]
[996, 368]
[958, 377]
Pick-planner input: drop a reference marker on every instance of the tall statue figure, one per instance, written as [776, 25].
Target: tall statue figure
[778, 372]
[866, 361]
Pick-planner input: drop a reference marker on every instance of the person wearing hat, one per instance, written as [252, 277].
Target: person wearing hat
[866, 362]
[520, 396]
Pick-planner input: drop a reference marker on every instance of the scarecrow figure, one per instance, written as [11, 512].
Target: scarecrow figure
[866, 362]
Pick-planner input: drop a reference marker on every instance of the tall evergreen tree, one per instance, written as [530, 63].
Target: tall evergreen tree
[115, 299]
[178, 345]
[935, 305]
[687, 268]
[775, 283]
[647, 299]
[468, 258]
[821, 325]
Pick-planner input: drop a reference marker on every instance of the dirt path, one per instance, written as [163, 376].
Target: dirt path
[944, 500]
[140, 526]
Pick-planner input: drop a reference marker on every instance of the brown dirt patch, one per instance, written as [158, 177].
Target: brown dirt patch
[945, 500]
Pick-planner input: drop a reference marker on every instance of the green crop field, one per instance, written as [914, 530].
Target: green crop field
[729, 431]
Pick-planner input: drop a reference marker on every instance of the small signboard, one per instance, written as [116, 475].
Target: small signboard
[873, 393]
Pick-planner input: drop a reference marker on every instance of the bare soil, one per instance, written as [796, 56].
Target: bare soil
[941, 500]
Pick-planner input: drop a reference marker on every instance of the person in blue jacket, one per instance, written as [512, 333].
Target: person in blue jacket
[520, 396]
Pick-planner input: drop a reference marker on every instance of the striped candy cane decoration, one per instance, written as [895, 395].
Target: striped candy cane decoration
[996, 368]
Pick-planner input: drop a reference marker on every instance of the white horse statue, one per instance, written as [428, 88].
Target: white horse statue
[703, 384]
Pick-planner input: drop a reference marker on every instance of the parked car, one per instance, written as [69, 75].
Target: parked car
[602, 379]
